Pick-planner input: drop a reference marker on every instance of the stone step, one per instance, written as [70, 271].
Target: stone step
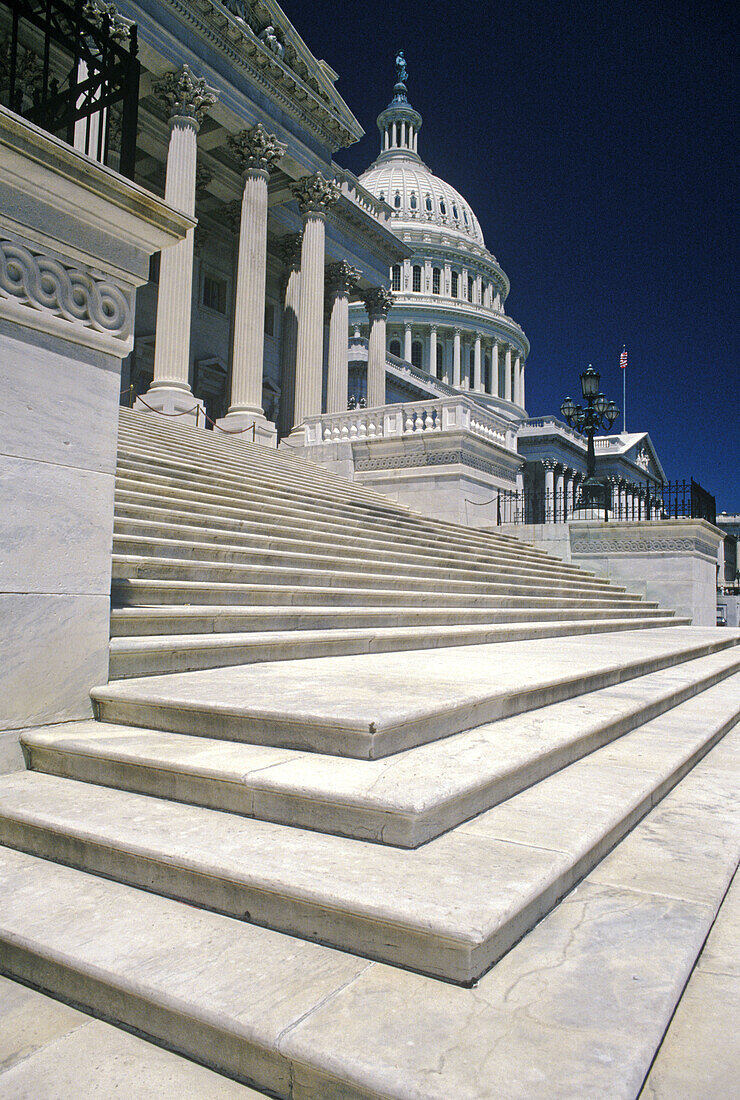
[372, 705]
[263, 507]
[310, 556]
[280, 528]
[154, 655]
[155, 568]
[550, 1021]
[403, 800]
[51, 1051]
[450, 909]
[145, 621]
[700, 1053]
[134, 592]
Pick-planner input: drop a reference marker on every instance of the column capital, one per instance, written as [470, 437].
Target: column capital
[256, 148]
[378, 301]
[549, 463]
[341, 278]
[186, 95]
[407, 326]
[289, 250]
[316, 194]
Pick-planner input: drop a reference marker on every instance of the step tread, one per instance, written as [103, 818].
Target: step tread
[550, 1013]
[449, 909]
[404, 799]
[373, 704]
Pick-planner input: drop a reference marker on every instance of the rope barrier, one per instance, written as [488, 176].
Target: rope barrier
[189, 412]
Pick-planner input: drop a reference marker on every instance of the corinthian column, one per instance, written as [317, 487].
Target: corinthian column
[495, 387]
[456, 359]
[316, 196]
[378, 302]
[188, 98]
[507, 374]
[340, 278]
[290, 253]
[477, 386]
[258, 152]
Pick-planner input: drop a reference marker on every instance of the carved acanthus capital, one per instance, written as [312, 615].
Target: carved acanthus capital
[378, 302]
[316, 194]
[256, 148]
[289, 250]
[341, 278]
[186, 95]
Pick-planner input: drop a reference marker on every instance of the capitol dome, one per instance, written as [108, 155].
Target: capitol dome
[448, 318]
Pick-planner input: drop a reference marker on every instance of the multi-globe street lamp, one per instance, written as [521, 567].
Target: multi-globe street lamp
[599, 413]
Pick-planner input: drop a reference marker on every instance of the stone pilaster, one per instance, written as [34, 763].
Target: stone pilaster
[290, 253]
[340, 280]
[188, 98]
[316, 196]
[378, 302]
[257, 152]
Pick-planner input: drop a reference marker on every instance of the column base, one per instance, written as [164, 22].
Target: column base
[248, 426]
[174, 404]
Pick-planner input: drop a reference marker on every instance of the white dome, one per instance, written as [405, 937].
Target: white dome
[419, 198]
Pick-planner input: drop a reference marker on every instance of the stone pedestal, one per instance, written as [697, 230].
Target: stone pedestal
[76, 241]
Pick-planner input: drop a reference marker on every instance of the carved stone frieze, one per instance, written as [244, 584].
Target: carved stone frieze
[256, 148]
[186, 95]
[416, 459]
[378, 301]
[316, 194]
[341, 278]
[68, 291]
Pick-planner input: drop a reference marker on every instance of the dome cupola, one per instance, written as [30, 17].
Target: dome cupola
[399, 123]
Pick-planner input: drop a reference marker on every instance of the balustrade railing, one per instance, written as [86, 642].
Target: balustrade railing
[625, 503]
[444, 414]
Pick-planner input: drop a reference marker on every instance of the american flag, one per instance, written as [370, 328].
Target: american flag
[623, 358]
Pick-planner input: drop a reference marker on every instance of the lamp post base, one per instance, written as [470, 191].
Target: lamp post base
[592, 501]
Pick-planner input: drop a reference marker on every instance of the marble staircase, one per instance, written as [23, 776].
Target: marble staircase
[226, 554]
[445, 864]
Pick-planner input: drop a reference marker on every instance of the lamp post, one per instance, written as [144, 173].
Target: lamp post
[599, 413]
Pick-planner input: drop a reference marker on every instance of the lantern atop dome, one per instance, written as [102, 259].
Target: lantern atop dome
[399, 123]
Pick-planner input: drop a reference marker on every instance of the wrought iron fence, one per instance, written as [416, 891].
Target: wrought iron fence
[71, 67]
[628, 503]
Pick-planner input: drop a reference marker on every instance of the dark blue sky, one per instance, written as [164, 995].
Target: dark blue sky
[595, 141]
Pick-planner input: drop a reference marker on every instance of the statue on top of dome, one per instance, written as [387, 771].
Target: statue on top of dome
[401, 70]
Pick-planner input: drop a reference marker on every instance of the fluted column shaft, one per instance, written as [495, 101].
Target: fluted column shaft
[249, 307]
[507, 375]
[378, 302]
[495, 387]
[456, 358]
[291, 253]
[340, 279]
[477, 386]
[309, 354]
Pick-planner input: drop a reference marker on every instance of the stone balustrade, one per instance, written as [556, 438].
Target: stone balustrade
[444, 414]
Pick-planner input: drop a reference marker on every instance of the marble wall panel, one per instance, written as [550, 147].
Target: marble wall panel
[53, 649]
[56, 409]
[56, 527]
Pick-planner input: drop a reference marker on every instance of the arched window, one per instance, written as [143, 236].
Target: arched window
[436, 277]
[413, 200]
[395, 348]
[455, 214]
[416, 354]
[417, 278]
[454, 284]
[442, 207]
[471, 288]
[465, 215]
[397, 200]
[396, 277]
[440, 360]
[428, 203]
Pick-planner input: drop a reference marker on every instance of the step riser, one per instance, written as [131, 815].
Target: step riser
[225, 623]
[192, 658]
[301, 574]
[127, 593]
[286, 733]
[357, 821]
[395, 943]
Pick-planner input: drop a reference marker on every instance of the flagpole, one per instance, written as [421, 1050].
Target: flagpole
[624, 400]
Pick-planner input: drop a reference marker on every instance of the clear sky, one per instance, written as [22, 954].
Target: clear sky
[596, 143]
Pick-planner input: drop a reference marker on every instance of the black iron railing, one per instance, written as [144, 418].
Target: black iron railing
[628, 503]
[71, 67]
